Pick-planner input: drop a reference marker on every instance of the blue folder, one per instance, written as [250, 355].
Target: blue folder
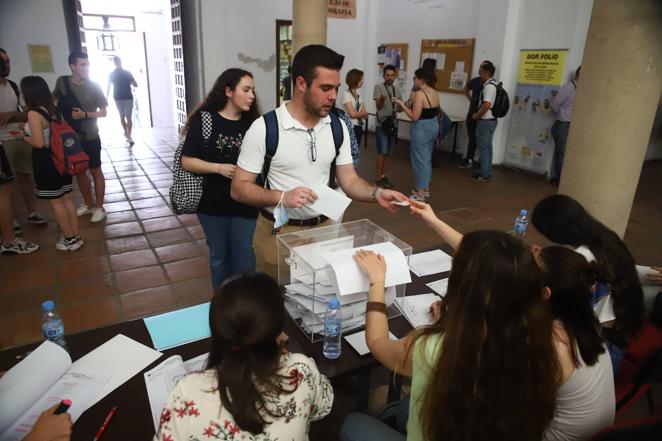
[176, 328]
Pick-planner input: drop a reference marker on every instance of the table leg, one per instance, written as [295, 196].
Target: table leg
[362, 392]
[455, 124]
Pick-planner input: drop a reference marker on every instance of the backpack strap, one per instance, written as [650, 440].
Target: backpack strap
[45, 114]
[338, 138]
[270, 143]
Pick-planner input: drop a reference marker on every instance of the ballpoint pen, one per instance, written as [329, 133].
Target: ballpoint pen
[105, 423]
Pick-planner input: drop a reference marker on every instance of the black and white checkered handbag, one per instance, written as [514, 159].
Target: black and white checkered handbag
[186, 188]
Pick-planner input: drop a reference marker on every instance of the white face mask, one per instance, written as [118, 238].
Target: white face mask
[281, 216]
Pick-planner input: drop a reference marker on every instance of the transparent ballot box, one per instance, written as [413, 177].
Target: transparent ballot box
[315, 265]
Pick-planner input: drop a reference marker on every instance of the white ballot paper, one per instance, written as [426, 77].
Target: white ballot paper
[416, 309]
[28, 389]
[120, 358]
[430, 262]
[308, 258]
[359, 344]
[348, 278]
[439, 286]
[330, 203]
[161, 380]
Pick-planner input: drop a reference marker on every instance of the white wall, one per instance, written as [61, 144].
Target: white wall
[33, 22]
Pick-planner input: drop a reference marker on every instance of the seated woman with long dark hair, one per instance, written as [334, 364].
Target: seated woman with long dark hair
[253, 388]
[618, 299]
[487, 368]
[585, 402]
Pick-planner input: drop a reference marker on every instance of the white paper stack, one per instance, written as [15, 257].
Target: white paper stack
[323, 270]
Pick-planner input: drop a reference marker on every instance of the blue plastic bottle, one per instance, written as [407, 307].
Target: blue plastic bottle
[52, 325]
[521, 224]
[332, 330]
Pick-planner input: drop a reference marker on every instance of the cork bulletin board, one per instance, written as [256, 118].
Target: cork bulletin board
[454, 61]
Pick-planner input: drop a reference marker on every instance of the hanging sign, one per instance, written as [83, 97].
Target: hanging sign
[341, 8]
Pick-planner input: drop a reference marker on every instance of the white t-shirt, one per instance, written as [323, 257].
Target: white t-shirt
[488, 94]
[347, 97]
[292, 165]
[8, 99]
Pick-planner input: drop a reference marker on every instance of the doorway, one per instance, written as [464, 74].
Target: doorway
[283, 60]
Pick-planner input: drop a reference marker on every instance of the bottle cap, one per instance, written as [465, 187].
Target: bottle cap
[48, 305]
[523, 212]
[334, 303]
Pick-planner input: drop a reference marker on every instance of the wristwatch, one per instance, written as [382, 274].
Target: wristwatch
[373, 195]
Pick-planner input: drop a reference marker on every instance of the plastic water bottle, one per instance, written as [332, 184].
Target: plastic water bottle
[521, 224]
[52, 325]
[332, 330]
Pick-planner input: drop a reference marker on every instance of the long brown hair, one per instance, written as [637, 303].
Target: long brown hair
[571, 278]
[495, 376]
[246, 317]
[216, 99]
[563, 220]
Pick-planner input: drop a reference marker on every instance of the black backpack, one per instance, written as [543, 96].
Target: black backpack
[66, 104]
[501, 103]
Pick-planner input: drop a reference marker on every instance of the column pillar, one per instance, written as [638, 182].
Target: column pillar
[617, 97]
[308, 23]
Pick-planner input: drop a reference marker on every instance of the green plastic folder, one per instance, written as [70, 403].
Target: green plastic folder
[176, 328]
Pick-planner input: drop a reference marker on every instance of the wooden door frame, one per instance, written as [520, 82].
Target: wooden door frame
[279, 23]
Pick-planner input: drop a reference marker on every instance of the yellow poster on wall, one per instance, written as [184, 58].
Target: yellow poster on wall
[41, 58]
[541, 66]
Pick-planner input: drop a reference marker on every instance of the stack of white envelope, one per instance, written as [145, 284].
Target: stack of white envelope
[323, 270]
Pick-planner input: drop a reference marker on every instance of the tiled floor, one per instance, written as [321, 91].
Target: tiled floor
[143, 259]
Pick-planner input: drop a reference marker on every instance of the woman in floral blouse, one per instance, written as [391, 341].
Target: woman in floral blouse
[253, 388]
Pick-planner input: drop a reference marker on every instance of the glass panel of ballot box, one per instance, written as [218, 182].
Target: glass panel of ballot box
[317, 264]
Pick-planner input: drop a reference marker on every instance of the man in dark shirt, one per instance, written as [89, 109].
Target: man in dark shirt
[472, 92]
[122, 80]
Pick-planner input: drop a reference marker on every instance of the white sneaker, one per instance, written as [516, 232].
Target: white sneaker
[84, 209]
[69, 244]
[98, 214]
[18, 246]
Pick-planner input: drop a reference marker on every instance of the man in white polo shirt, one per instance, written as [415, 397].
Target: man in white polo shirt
[485, 122]
[305, 153]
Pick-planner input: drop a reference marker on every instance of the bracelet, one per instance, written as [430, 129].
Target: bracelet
[376, 307]
[373, 195]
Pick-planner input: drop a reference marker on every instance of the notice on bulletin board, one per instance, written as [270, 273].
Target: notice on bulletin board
[530, 143]
[41, 58]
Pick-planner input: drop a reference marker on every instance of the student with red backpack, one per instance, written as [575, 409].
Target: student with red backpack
[52, 184]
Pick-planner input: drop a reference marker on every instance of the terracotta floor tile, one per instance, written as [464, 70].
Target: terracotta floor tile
[168, 237]
[124, 244]
[92, 234]
[142, 194]
[196, 232]
[26, 300]
[44, 257]
[88, 315]
[20, 329]
[161, 223]
[140, 278]
[83, 289]
[177, 252]
[148, 203]
[147, 302]
[139, 186]
[28, 278]
[189, 220]
[123, 229]
[150, 213]
[90, 249]
[193, 292]
[187, 269]
[83, 267]
[132, 260]
[115, 197]
[120, 216]
[117, 206]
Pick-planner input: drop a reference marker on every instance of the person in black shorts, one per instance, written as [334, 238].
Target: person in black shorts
[90, 104]
[122, 80]
[10, 244]
[50, 184]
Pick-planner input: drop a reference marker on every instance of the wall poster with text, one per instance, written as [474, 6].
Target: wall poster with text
[530, 145]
